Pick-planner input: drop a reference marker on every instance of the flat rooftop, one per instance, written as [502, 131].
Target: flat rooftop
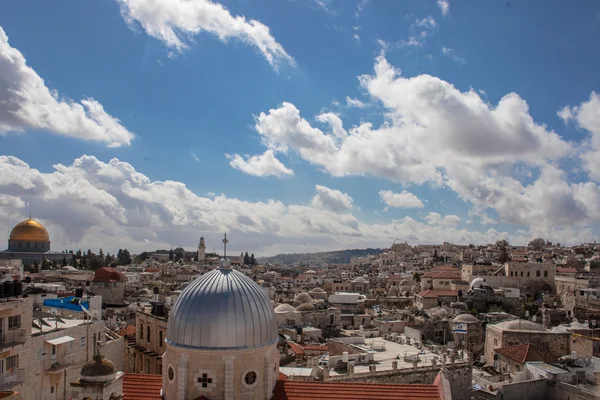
[384, 358]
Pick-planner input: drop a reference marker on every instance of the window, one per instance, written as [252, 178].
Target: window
[521, 273]
[527, 273]
[53, 350]
[12, 362]
[147, 365]
[141, 331]
[82, 341]
[204, 380]
[495, 342]
[545, 274]
[250, 378]
[51, 389]
[537, 273]
[160, 338]
[14, 322]
[147, 334]
[171, 373]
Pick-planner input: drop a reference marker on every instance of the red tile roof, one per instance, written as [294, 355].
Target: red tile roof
[441, 275]
[437, 293]
[445, 268]
[108, 274]
[563, 270]
[522, 353]
[142, 387]
[310, 390]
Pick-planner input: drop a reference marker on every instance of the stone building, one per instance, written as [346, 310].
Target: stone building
[221, 339]
[467, 333]
[109, 283]
[144, 352]
[513, 332]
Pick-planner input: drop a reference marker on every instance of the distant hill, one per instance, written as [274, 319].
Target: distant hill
[325, 257]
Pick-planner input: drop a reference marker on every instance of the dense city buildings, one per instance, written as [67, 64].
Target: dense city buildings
[447, 321]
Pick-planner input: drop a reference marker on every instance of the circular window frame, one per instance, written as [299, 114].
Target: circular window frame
[245, 374]
[170, 367]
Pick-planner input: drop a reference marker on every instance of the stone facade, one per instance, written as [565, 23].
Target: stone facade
[557, 344]
[220, 374]
[143, 354]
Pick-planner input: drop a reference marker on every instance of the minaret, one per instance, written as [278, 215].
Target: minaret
[202, 250]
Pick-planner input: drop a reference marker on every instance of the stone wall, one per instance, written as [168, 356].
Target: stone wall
[539, 389]
[336, 348]
[114, 350]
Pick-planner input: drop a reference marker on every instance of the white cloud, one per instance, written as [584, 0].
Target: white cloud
[411, 42]
[331, 199]
[194, 156]
[444, 6]
[434, 218]
[265, 164]
[587, 116]
[27, 103]
[176, 21]
[427, 22]
[354, 102]
[400, 200]
[435, 134]
[447, 51]
[92, 204]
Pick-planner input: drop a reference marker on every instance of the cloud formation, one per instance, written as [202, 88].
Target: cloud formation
[176, 21]
[265, 164]
[27, 103]
[444, 6]
[111, 205]
[587, 116]
[403, 199]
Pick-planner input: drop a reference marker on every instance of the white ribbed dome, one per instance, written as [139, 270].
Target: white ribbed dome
[223, 309]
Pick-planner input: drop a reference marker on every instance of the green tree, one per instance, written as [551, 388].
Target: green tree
[502, 245]
[416, 277]
[101, 253]
[252, 259]
[95, 262]
[246, 259]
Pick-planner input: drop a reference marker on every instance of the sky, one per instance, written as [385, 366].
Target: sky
[300, 125]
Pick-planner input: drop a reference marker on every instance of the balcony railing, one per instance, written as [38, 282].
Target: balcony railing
[11, 378]
[12, 337]
[59, 363]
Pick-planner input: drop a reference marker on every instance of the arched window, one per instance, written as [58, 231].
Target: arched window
[545, 274]
[537, 273]
[521, 273]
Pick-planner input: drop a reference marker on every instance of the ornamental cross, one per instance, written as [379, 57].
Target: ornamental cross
[225, 241]
[204, 380]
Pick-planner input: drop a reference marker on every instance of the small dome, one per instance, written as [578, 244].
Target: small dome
[465, 319]
[284, 308]
[477, 282]
[317, 290]
[520, 325]
[98, 370]
[305, 307]
[222, 309]
[311, 272]
[303, 298]
[30, 230]
[360, 279]
[404, 282]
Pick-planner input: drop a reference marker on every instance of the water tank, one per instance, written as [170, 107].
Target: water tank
[18, 288]
[345, 356]
[9, 289]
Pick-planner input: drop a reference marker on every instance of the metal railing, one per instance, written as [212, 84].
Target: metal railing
[12, 337]
[58, 363]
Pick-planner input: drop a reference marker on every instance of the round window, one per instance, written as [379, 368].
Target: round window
[171, 373]
[250, 378]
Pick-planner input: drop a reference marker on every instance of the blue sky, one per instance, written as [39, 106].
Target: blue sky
[457, 121]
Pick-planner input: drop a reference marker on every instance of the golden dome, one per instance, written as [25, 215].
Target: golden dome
[30, 230]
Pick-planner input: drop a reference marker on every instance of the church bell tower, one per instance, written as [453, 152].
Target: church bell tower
[202, 250]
